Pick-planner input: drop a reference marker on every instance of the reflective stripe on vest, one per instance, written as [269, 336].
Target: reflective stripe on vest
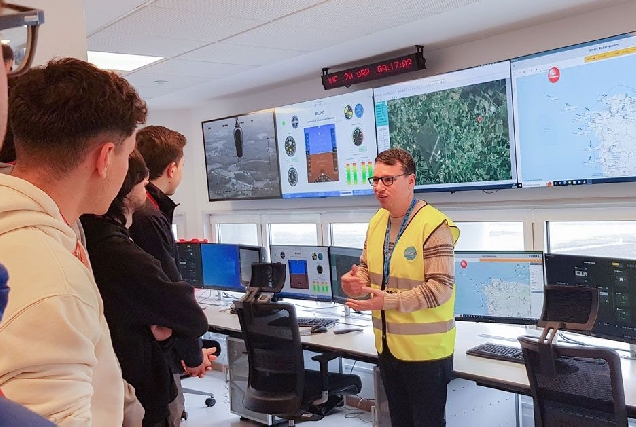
[399, 283]
[415, 328]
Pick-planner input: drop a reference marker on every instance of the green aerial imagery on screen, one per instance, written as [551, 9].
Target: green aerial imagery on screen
[455, 135]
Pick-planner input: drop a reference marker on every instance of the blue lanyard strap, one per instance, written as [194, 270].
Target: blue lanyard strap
[388, 251]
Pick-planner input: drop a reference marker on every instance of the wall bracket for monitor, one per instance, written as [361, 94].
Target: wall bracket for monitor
[377, 70]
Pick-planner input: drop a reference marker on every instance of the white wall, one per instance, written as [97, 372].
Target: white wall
[560, 32]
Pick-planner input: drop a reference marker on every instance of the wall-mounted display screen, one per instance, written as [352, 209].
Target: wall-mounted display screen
[327, 146]
[241, 157]
[575, 114]
[505, 287]
[308, 272]
[458, 127]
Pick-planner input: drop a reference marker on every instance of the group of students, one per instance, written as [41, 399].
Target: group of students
[98, 325]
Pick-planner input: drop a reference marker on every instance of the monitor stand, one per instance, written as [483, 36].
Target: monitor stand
[347, 311]
[632, 351]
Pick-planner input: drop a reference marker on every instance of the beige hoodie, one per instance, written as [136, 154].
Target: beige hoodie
[56, 355]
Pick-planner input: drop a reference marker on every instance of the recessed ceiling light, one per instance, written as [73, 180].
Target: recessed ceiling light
[5, 41]
[120, 61]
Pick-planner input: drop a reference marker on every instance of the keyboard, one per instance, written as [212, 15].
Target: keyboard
[316, 321]
[497, 351]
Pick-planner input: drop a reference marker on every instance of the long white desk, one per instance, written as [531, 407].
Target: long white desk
[506, 376]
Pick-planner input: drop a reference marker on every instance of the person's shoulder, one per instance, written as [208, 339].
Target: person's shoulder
[40, 267]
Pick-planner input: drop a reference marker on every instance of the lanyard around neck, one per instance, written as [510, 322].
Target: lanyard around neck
[388, 251]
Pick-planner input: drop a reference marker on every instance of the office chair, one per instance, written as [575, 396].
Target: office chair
[572, 385]
[278, 383]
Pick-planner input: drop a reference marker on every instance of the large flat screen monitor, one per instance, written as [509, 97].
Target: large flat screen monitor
[308, 273]
[458, 127]
[221, 267]
[503, 287]
[327, 146]
[341, 259]
[575, 114]
[616, 281]
[240, 157]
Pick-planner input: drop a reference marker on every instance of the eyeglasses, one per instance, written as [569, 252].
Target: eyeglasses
[20, 25]
[386, 180]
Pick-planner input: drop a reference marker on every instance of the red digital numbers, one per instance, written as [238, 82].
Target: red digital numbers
[395, 65]
[363, 72]
[348, 75]
[332, 80]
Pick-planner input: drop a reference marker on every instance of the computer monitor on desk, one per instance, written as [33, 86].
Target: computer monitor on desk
[502, 287]
[341, 259]
[615, 278]
[190, 265]
[249, 255]
[308, 273]
[221, 267]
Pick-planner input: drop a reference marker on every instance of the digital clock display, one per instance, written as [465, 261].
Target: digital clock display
[378, 70]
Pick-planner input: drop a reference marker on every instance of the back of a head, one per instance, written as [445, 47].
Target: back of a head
[59, 112]
[394, 155]
[160, 147]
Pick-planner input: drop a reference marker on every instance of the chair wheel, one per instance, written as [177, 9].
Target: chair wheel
[210, 401]
[184, 415]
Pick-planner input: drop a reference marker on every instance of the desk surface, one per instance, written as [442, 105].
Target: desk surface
[505, 376]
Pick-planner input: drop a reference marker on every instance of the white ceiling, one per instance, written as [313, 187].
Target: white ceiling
[215, 48]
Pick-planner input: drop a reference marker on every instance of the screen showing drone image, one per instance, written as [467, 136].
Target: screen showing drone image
[457, 126]
[241, 157]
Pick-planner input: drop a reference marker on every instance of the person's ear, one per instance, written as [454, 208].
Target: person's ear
[171, 169]
[104, 156]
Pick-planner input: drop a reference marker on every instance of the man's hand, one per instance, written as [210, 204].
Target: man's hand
[161, 333]
[203, 368]
[352, 284]
[376, 302]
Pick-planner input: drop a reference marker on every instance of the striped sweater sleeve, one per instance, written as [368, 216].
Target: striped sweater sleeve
[439, 276]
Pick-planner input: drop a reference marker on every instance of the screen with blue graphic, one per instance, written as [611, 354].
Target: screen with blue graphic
[504, 287]
[575, 113]
[327, 146]
[308, 273]
[221, 267]
[457, 126]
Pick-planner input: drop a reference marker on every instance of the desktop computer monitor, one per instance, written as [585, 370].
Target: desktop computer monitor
[221, 267]
[341, 259]
[308, 273]
[249, 255]
[615, 278]
[502, 287]
[190, 265]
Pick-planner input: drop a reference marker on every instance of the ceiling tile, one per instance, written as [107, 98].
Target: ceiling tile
[257, 10]
[229, 53]
[279, 35]
[109, 40]
[183, 67]
[166, 23]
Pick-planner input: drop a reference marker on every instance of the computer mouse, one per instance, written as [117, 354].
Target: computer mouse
[318, 329]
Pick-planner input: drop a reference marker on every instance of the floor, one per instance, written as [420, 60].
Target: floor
[219, 415]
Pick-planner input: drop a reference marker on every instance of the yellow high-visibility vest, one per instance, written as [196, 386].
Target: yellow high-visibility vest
[427, 334]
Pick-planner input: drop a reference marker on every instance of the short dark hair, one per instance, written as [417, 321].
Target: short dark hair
[7, 53]
[395, 155]
[59, 112]
[160, 146]
[137, 172]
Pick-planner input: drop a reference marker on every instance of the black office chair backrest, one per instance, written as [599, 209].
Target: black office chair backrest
[569, 307]
[585, 388]
[274, 349]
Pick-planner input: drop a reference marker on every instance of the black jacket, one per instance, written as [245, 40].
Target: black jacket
[136, 294]
[151, 229]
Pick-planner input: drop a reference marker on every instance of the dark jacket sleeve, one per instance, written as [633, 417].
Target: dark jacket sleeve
[152, 298]
[189, 350]
[149, 232]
